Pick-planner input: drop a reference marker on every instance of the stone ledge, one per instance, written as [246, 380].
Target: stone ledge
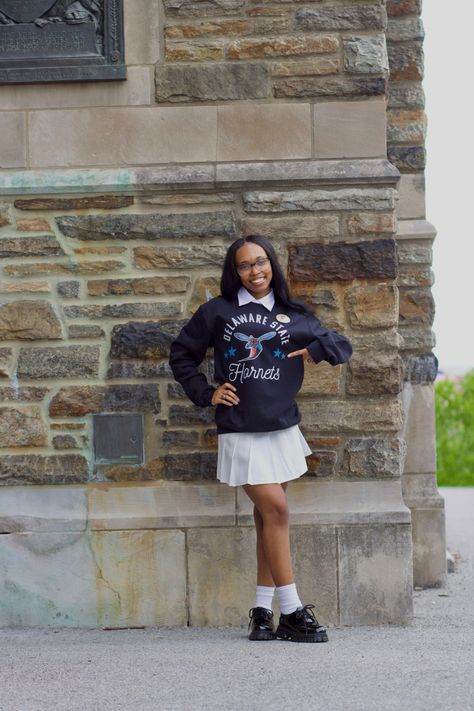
[199, 175]
[165, 505]
[415, 229]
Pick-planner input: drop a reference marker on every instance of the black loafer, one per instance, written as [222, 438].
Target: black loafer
[301, 626]
[261, 624]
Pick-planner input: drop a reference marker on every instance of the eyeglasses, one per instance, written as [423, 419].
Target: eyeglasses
[246, 266]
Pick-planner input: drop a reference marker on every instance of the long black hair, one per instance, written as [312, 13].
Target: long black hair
[231, 283]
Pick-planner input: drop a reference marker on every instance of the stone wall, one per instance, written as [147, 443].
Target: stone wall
[119, 201]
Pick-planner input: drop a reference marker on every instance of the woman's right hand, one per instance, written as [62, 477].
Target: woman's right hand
[225, 395]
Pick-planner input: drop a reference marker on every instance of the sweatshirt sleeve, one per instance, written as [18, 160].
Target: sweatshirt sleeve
[186, 355]
[326, 344]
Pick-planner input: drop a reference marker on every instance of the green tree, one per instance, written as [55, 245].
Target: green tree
[455, 431]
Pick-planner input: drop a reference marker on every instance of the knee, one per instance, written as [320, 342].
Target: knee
[276, 514]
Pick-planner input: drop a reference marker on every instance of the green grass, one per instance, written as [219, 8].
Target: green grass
[455, 431]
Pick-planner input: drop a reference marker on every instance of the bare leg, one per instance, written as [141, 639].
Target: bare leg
[273, 541]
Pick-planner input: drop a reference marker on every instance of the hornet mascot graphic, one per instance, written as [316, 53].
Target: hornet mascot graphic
[253, 344]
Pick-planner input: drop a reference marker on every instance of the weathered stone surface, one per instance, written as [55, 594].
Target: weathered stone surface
[22, 469]
[22, 428]
[405, 126]
[151, 257]
[372, 306]
[190, 415]
[28, 321]
[321, 464]
[61, 362]
[282, 47]
[315, 261]
[30, 247]
[210, 438]
[406, 28]
[416, 338]
[420, 369]
[190, 466]
[99, 202]
[306, 67]
[20, 270]
[407, 158]
[28, 287]
[382, 339]
[84, 331]
[372, 458]
[144, 340]
[405, 95]
[365, 54]
[138, 369]
[414, 275]
[202, 8]
[205, 288]
[194, 51]
[68, 289]
[35, 224]
[6, 362]
[222, 82]
[374, 374]
[78, 400]
[213, 198]
[64, 442]
[406, 61]
[321, 379]
[5, 215]
[157, 226]
[175, 392]
[416, 306]
[396, 8]
[371, 222]
[151, 285]
[206, 28]
[414, 252]
[352, 415]
[180, 438]
[99, 249]
[127, 310]
[318, 19]
[308, 87]
[315, 200]
[67, 426]
[23, 394]
[297, 226]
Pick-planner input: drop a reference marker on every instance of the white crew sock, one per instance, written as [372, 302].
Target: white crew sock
[264, 596]
[288, 598]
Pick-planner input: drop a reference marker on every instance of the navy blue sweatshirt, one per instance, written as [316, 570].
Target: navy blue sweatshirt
[251, 345]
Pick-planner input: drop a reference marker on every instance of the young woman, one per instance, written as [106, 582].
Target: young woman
[260, 337]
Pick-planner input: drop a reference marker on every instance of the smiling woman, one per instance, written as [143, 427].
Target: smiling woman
[260, 445]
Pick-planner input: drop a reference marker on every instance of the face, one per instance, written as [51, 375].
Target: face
[257, 279]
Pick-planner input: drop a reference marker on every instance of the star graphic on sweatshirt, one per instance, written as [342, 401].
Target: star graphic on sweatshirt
[277, 353]
[232, 352]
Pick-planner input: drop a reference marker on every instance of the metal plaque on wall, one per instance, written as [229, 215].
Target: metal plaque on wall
[61, 40]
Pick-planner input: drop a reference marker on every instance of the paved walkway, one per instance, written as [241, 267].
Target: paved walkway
[424, 667]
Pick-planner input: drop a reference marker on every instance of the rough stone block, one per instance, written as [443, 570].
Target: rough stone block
[62, 362]
[190, 415]
[367, 17]
[148, 257]
[352, 416]
[416, 306]
[407, 158]
[5, 215]
[66, 441]
[282, 46]
[420, 369]
[144, 340]
[22, 427]
[130, 370]
[416, 338]
[372, 373]
[181, 438]
[220, 223]
[372, 306]
[321, 379]
[194, 51]
[349, 129]
[405, 95]
[21, 469]
[298, 226]
[190, 466]
[79, 331]
[396, 8]
[78, 400]
[316, 200]
[366, 223]
[222, 82]
[205, 288]
[314, 261]
[406, 126]
[406, 61]
[115, 578]
[405, 28]
[151, 285]
[155, 309]
[372, 458]
[30, 247]
[68, 289]
[202, 8]
[383, 339]
[263, 132]
[137, 135]
[365, 54]
[23, 394]
[309, 87]
[6, 362]
[413, 251]
[13, 139]
[306, 67]
[30, 287]
[29, 320]
[415, 275]
[91, 202]
[57, 268]
[375, 574]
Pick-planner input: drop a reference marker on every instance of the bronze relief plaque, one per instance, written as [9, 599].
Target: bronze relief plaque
[61, 40]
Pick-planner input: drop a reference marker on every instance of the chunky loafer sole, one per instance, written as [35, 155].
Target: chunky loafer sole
[261, 635]
[294, 636]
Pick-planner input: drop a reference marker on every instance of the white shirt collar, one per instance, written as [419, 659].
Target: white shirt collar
[245, 297]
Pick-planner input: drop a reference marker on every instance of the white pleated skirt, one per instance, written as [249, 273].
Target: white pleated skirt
[261, 457]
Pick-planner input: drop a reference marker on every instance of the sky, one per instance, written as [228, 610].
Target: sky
[449, 183]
